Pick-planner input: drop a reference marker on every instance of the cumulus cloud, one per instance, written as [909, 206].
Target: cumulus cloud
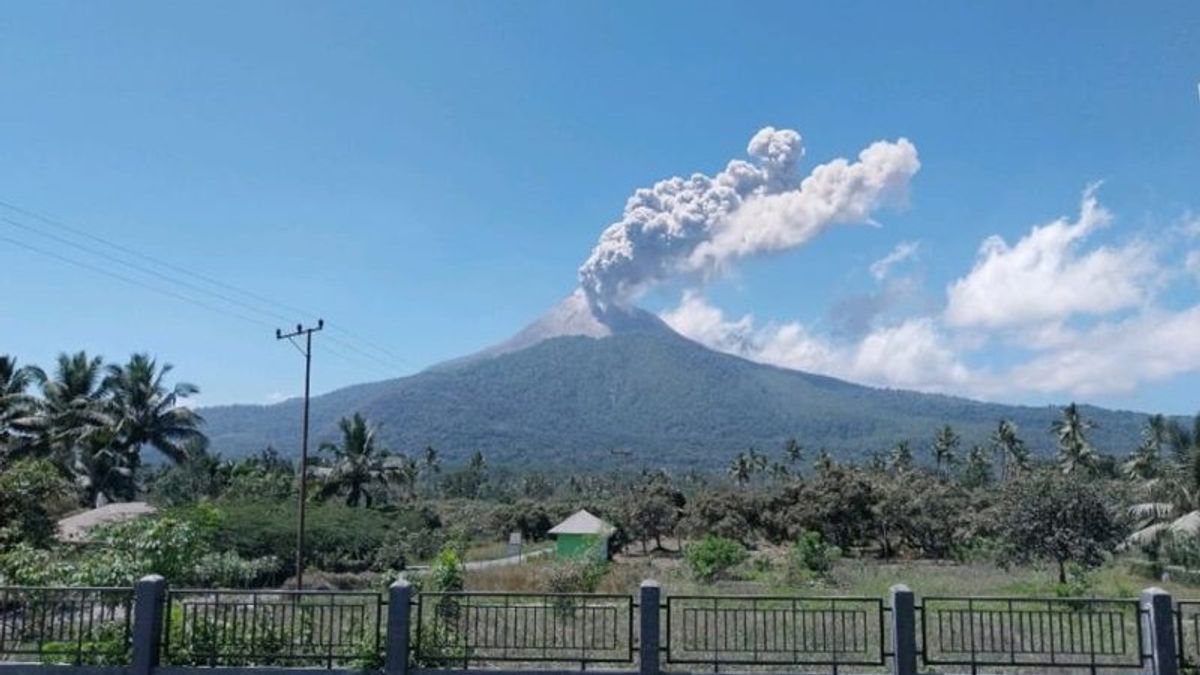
[700, 225]
[912, 354]
[1114, 357]
[902, 252]
[1045, 278]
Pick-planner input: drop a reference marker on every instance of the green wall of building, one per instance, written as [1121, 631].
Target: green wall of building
[578, 546]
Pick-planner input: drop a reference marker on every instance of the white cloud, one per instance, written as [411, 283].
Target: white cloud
[1114, 357]
[1193, 263]
[902, 252]
[913, 354]
[1044, 278]
[701, 224]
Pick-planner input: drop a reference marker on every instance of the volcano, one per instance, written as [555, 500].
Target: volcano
[578, 383]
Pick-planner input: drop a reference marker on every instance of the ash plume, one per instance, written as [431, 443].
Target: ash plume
[699, 226]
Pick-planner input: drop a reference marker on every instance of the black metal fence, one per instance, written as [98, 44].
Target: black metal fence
[259, 628]
[208, 628]
[1187, 631]
[472, 628]
[779, 630]
[1032, 632]
[76, 626]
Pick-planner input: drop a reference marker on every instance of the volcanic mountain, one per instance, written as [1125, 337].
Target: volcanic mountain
[575, 385]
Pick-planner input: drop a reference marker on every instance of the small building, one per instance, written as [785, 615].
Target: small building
[582, 536]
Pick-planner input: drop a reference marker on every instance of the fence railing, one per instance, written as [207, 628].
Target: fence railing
[137, 630]
[275, 628]
[732, 630]
[473, 628]
[74, 626]
[1046, 633]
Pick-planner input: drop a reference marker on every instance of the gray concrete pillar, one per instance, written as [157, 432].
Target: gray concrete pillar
[648, 611]
[1159, 631]
[149, 598]
[398, 617]
[904, 631]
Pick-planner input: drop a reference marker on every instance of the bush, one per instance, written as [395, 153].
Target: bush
[122, 553]
[229, 570]
[712, 557]
[574, 576]
[810, 554]
[102, 645]
[24, 565]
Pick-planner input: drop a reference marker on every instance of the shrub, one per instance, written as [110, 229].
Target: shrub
[574, 576]
[712, 557]
[122, 553]
[229, 570]
[24, 565]
[810, 554]
[102, 645]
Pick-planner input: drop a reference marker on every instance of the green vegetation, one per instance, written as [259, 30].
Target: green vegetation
[778, 516]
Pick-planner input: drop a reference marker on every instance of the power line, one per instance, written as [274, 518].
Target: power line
[352, 360]
[389, 360]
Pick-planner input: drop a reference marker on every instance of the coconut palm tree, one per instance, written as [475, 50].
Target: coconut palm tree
[1171, 497]
[793, 451]
[1012, 454]
[359, 463]
[17, 408]
[73, 410]
[741, 469]
[902, 456]
[1070, 432]
[944, 444]
[148, 412]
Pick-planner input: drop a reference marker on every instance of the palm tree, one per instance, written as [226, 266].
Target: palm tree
[73, 403]
[432, 463]
[944, 444]
[741, 469]
[902, 456]
[1144, 464]
[1171, 497]
[793, 451]
[147, 412]
[1070, 432]
[358, 463]
[1010, 449]
[17, 408]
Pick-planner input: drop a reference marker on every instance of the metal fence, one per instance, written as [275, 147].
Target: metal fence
[259, 628]
[473, 628]
[77, 626]
[1032, 632]
[1187, 631]
[778, 630]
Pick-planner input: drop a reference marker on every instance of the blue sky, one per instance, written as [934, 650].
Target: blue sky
[430, 176]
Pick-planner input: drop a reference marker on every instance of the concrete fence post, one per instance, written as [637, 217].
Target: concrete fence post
[648, 613]
[1159, 631]
[149, 596]
[398, 617]
[904, 631]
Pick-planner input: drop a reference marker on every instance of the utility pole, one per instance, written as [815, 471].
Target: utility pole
[307, 352]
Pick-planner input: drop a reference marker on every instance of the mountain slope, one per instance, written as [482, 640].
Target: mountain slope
[568, 397]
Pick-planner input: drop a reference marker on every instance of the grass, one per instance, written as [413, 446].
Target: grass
[765, 574]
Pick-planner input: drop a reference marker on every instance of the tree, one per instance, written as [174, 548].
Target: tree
[31, 493]
[1010, 450]
[902, 457]
[978, 470]
[653, 510]
[359, 463]
[945, 442]
[148, 412]
[741, 469]
[17, 407]
[72, 407]
[1070, 433]
[1062, 519]
[793, 451]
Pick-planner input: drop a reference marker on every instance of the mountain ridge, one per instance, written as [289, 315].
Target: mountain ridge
[575, 384]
